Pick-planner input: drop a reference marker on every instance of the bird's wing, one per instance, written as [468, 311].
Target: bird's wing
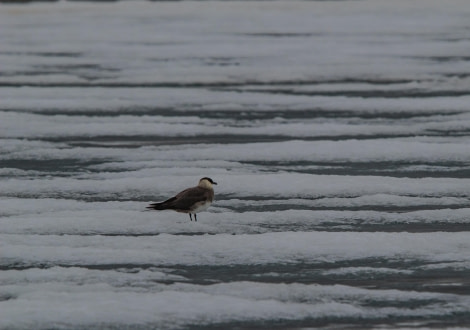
[185, 200]
[190, 196]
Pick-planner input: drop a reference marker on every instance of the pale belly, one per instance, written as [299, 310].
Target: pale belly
[200, 207]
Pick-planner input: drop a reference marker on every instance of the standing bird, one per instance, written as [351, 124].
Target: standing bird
[191, 200]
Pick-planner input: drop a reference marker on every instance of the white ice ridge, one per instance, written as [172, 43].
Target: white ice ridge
[60, 216]
[226, 249]
[366, 39]
[294, 185]
[74, 303]
[399, 149]
[27, 125]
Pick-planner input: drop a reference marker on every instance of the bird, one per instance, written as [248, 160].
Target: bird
[191, 200]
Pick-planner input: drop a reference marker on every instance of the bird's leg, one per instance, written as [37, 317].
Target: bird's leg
[195, 217]
[190, 217]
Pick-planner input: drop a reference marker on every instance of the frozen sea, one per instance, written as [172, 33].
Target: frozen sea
[338, 133]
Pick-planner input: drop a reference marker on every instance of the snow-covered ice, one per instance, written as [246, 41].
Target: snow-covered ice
[338, 133]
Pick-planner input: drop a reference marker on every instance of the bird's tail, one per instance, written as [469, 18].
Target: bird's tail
[161, 205]
[156, 206]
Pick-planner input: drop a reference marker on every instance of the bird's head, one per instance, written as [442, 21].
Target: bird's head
[206, 183]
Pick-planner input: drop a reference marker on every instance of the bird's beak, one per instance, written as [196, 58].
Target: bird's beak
[214, 182]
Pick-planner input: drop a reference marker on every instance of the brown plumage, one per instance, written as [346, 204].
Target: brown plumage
[192, 200]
